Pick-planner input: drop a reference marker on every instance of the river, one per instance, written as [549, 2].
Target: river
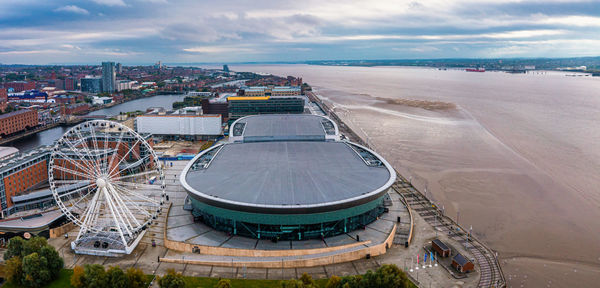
[48, 137]
[517, 156]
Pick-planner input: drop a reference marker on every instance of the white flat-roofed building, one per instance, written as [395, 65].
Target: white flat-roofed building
[101, 100]
[259, 91]
[180, 125]
[125, 84]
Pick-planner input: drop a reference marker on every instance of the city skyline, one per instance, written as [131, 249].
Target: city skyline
[143, 31]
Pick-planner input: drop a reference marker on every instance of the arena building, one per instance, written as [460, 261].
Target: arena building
[287, 177]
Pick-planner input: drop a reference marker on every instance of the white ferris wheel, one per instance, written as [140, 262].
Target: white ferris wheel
[106, 179]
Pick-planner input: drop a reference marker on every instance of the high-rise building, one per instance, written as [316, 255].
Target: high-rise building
[225, 68]
[119, 68]
[109, 77]
[70, 83]
[92, 84]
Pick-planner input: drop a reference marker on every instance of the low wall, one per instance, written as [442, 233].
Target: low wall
[296, 263]
[222, 251]
[60, 231]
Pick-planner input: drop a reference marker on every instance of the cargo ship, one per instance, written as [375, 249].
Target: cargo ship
[480, 69]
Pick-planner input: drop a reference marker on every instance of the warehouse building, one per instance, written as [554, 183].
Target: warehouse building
[17, 121]
[186, 124]
[22, 172]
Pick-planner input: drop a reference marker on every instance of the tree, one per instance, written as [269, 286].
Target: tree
[95, 276]
[35, 271]
[171, 280]
[135, 278]
[14, 248]
[223, 283]
[334, 282]
[305, 281]
[388, 276]
[33, 245]
[33, 262]
[54, 262]
[116, 277]
[352, 281]
[13, 270]
[77, 279]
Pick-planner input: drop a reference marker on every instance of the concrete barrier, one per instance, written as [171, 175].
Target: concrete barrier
[222, 251]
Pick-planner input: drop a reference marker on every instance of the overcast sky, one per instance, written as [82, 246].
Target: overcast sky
[145, 31]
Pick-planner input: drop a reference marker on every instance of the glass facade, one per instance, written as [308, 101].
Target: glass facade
[273, 105]
[288, 226]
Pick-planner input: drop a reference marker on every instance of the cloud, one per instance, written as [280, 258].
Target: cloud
[240, 30]
[374, 37]
[69, 46]
[420, 49]
[72, 9]
[110, 2]
[218, 50]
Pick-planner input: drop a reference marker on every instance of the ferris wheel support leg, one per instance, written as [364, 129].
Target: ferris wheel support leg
[88, 214]
[114, 215]
[124, 209]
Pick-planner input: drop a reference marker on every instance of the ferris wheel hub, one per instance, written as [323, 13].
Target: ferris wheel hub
[101, 183]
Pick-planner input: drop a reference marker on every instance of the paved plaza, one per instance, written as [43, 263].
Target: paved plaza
[181, 227]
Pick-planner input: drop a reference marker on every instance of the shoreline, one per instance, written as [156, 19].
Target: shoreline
[354, 137]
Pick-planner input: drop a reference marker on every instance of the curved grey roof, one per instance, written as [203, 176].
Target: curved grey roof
[287, 175]
[283, 127]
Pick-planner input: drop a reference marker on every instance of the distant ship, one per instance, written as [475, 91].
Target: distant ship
[480, 69]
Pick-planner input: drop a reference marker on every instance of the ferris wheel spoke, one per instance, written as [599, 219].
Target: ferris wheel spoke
[81, 198]
[134, 164]
[74, 162]
[79, 189]
[106, 136]
[140, 174]
[133, 202]
[67, 181]
[136, 206]
[86, 148]
[73, 172]
[117, 145]
[114, 215]
[92, 207]
[137, 185]
[97, 153]
[124, 156]
[124, 208]
[139, 196]
[114, 210]
[76, 150]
